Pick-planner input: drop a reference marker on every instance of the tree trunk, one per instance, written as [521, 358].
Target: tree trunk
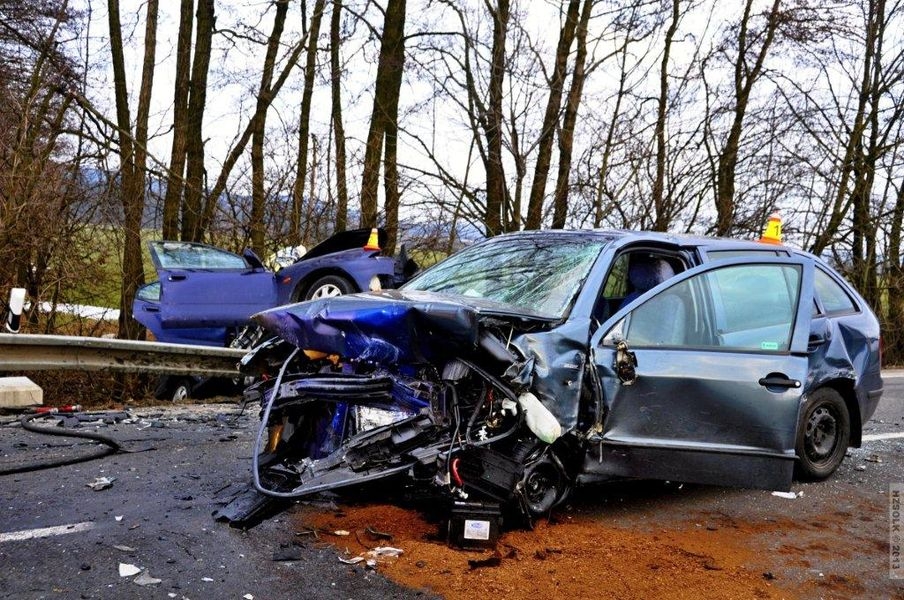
[386, 92]
[133, 159]
[566, 136]
[493, 127]
[391, 187]
[304, 128]
[551, 119]
[175, 182]
[338, 129]
[193, 203]
[258, 129]
[663, 217]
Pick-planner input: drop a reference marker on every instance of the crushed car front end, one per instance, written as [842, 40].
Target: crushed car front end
[462, 381]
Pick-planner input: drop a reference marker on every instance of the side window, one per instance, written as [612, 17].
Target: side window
[740, 307]
[633, 273]
[833, 297]
[616, 285]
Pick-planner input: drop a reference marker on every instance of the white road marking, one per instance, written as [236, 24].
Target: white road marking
[893, 374]
[873, 437]
[28, 534]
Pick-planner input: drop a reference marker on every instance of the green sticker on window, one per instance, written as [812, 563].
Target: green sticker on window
[768, 346]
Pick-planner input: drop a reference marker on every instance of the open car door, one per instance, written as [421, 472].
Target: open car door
[203, 286]
[703, 376]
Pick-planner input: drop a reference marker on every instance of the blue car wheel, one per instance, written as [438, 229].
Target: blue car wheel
[329, 286]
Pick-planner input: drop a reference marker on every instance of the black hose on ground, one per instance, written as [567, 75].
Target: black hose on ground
[112, 446]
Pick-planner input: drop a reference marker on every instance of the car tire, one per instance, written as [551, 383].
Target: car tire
[823, 435]
[328, 286]
[175, 389]
[544, 484]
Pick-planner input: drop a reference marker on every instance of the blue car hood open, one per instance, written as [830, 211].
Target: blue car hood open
[387, 327]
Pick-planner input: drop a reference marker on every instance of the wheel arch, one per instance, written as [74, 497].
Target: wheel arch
[307, 280]
[845, 387]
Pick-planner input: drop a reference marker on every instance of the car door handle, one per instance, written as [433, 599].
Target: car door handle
[176, 277]
[155, 309]
[781, 381]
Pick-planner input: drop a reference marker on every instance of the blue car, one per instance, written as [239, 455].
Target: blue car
[205, 295]
[533, 362]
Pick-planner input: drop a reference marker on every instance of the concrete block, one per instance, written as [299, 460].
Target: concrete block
[19, 391]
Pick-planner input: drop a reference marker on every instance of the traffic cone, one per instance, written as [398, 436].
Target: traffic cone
[772, 234]
[373, 242]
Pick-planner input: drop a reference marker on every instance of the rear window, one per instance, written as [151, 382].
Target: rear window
[835, 300]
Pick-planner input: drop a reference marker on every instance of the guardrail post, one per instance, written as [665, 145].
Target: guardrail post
[16, 304]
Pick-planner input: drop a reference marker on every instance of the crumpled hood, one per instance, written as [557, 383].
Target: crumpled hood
[386, 327]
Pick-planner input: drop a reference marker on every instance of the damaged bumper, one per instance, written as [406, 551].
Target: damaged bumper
[366, 387]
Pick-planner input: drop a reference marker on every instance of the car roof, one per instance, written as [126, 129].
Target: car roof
[627, 236]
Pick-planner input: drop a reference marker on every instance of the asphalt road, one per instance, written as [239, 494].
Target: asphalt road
[59, 538]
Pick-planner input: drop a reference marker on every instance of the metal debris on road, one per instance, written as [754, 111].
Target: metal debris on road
[101, 483]
[145, 579]
[385, 551]
[124, 548]
[127, 570]
[788, 495]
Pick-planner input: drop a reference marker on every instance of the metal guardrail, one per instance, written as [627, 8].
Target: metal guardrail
[28, 352]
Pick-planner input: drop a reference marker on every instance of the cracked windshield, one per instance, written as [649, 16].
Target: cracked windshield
[540, 277]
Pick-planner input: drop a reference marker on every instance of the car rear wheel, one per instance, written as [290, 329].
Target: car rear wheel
[822, 435]
[329, 286]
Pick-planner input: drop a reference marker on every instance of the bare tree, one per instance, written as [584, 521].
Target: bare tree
[569, 121]
[336, 117]
[132, 157]
[551, 117]
[752, 49]
[258, 127]
[194, 210]
[662, 218]
[172, 202]
[304, 129]
[384, 117]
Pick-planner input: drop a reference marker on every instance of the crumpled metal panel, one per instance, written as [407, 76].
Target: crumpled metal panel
[850, 352]
[559, 356]
[383, 327]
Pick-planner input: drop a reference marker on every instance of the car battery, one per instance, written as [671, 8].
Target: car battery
[474, 525]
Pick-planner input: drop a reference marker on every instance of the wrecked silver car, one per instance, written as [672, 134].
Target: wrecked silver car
[533, 362]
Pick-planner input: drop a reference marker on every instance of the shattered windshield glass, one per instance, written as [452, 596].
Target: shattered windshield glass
[538, 275]
[190, 255]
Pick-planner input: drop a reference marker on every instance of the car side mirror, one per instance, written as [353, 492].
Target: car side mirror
[253, 259]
